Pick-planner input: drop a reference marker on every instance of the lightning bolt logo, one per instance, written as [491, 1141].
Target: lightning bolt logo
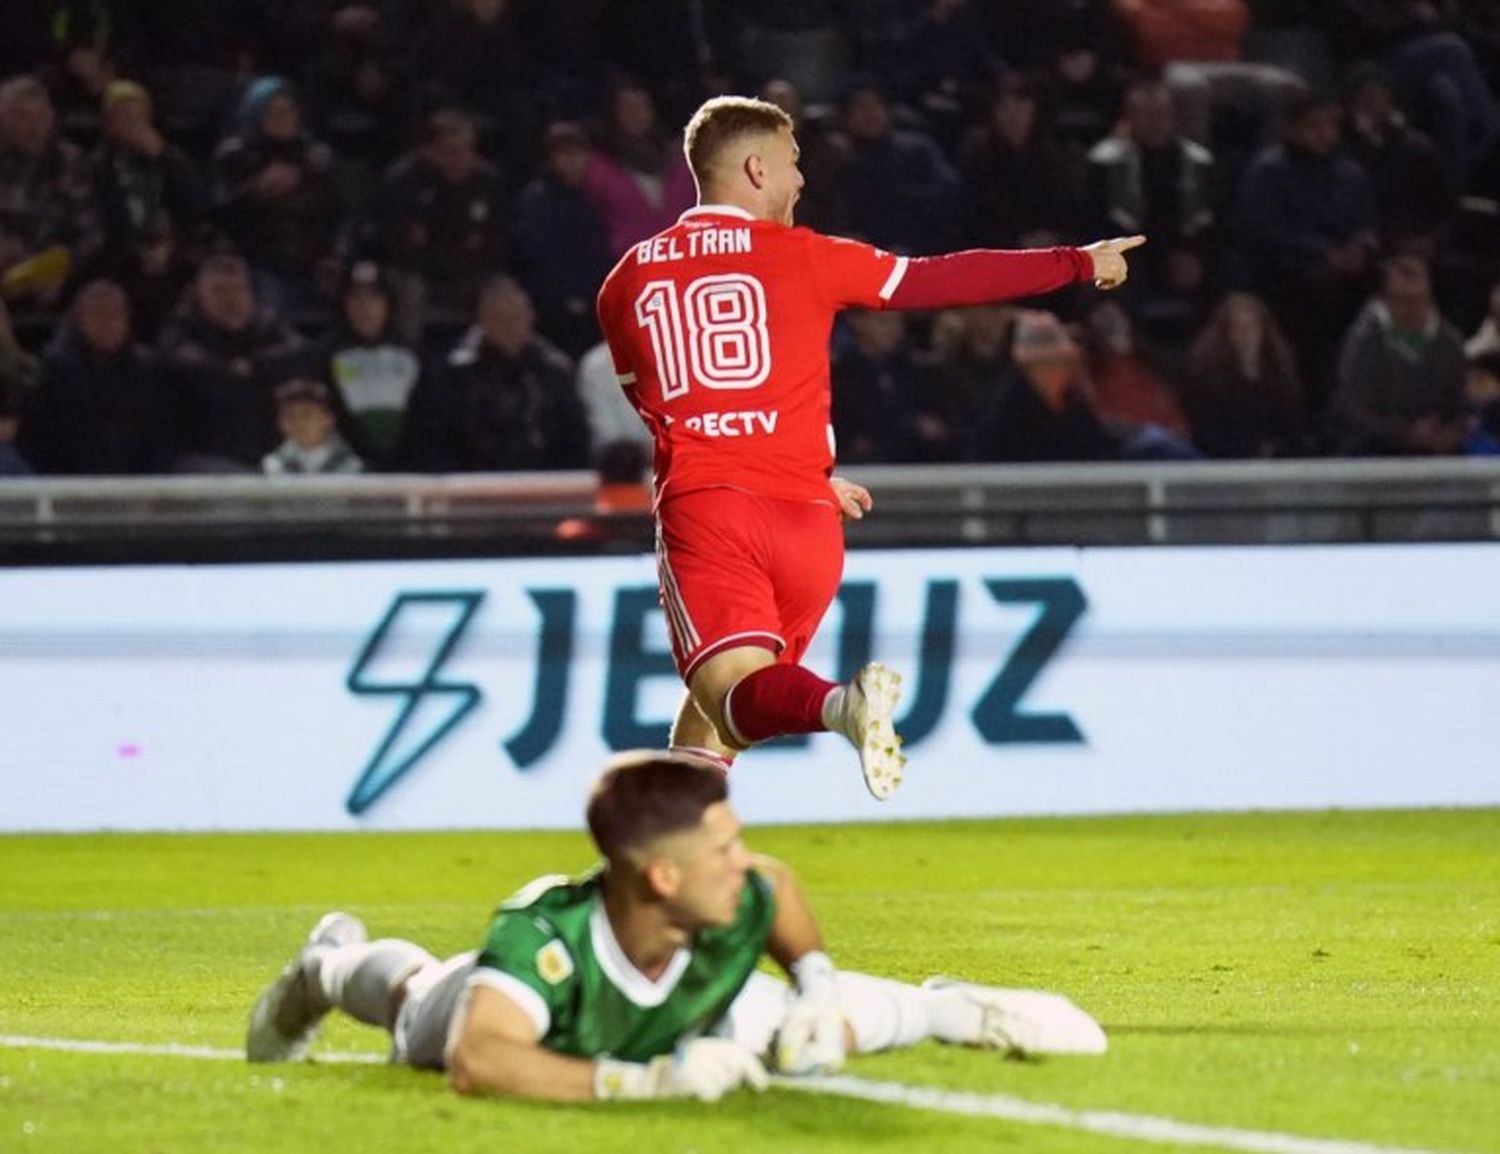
[455, 699]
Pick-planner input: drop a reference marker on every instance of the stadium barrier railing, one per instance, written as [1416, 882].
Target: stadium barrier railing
[70, 520]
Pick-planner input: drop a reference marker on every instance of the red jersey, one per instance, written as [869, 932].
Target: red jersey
[719, 329]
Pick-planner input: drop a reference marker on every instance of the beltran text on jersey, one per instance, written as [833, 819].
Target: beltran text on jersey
[693, 243]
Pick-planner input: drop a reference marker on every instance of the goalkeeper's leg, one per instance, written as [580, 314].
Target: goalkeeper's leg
[336, 968]
[884, 1014]
[879, 1014]
[368, 980]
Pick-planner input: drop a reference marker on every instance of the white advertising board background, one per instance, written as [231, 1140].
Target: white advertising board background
[1076, 681]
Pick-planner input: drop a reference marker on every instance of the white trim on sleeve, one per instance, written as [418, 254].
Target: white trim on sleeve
[517, 991]
[625, 378]
[893, 282]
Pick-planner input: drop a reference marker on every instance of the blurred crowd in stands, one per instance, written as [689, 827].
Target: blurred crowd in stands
[301, 236]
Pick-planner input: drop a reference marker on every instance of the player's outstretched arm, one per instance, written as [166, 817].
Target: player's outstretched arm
[794, 931]
[813, 1037]
[497, 1052]
[985, 275]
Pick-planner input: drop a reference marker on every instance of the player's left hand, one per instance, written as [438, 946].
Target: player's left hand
[854, 500]
[811, 1038]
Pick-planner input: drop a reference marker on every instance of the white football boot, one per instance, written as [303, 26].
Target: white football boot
[862, 712]
[1028, 1022]
[284, 1020]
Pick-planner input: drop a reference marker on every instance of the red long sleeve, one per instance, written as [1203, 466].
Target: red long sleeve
[982, 275]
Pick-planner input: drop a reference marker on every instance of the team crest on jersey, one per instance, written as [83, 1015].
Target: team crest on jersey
[553, 963]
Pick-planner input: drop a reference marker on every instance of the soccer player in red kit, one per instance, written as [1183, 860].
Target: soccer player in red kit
[719, 330]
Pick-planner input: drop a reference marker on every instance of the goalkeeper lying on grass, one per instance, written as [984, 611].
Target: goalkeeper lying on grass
[639, 980]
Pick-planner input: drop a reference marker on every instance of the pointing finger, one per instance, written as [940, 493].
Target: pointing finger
[1126, 243]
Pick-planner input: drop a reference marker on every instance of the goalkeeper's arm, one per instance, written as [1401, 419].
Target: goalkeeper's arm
[813, 1037]
[497, 1051]
[794, 932]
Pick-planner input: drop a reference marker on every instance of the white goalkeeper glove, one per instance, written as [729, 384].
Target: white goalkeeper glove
[702, 1068]
[811, 1037]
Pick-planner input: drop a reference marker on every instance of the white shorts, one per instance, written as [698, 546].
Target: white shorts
[434, 999]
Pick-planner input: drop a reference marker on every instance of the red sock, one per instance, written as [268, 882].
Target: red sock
[774, 701]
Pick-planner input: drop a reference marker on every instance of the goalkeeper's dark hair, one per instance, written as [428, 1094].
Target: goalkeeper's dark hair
[644, 796]
[723, 120]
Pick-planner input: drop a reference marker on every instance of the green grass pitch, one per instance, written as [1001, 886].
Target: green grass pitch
[1322, 975]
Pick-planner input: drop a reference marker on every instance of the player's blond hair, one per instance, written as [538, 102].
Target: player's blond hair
[723, 120]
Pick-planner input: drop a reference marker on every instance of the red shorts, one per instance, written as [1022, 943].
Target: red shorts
[738, 568]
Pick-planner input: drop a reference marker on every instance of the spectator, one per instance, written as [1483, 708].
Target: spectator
[154, 272]
[1401, 373]
[1486, 338]
[1307, 213]
[100, 408]
[1225, 103]
[808, 44]
[1147, 178]
[886, 404]
[357, 89]
[440, 223]
[1436, 75]
[908, 194]
[372, 372]
[562, 249]
[1413, 193]
[13, 462]
[195, 56]
[274, 194]
[639, 178]
[666, 40]
[311, 441]
[972, 350]
[1127, 383]
[1018, 189]
[1242, 396]
[144, 186]
[1082, 81]
[942, 67]
[1471, 249]
[92, 41]
[507, 399]
[222, 352]
[611, 417]
[824, 202]
[1482, 405]
[1045, 411]
[18, 368]
[46, 207]
[474, 53]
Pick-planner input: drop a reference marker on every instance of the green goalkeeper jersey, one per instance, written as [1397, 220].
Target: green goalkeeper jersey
[551, 949]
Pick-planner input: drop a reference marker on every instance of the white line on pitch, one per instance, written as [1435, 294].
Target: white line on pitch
[160, 1049]
[1140, 1127]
